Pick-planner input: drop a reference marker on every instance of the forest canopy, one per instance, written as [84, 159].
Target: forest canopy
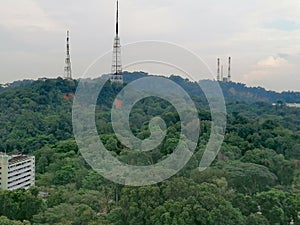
[255, 178]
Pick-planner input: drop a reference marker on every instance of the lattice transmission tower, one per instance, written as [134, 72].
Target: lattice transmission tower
[116, 70]
[68, 67]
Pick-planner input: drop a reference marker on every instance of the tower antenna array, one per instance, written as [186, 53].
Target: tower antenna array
[116, 70]
[68, 67]
[222, 73]
[229, 69]
[218, 70]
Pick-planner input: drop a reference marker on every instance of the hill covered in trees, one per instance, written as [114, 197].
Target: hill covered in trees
[255, 179]
[232, 91]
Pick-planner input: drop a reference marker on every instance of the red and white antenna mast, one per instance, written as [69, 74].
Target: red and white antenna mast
[218, 70]
[229, 69]
[68, 67]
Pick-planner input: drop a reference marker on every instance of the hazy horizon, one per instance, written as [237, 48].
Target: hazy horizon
[262, 37]
[250, 86]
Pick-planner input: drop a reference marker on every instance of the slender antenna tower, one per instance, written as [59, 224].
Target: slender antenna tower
[229, 69]
[116, 70]
[218, 70]
[222, 72]
[68, 67]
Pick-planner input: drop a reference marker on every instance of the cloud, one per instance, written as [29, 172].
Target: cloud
[273, 69]
[151, 22]
[273, 62]
[253, 32]
[19, 14]
[283, 24]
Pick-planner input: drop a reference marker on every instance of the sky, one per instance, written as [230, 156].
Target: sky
[261, 36]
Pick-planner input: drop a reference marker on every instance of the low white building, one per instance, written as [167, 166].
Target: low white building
[17, 171]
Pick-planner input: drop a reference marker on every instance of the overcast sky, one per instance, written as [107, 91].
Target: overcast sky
[262, 36]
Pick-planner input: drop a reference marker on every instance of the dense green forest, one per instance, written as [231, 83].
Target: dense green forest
[255, 179]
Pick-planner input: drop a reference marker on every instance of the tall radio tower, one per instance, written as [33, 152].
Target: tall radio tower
[229, 69]
[116, 70]
[218, 70]
[68, 68]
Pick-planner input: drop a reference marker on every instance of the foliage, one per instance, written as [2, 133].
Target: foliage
[254, 180]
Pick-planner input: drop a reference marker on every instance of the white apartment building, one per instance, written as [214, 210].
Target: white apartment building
[17, 171]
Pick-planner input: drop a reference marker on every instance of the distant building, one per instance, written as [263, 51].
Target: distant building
[293, 105]
[17, 172]
[225, 79]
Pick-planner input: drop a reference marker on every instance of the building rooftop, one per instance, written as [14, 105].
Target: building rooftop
[13, 159]
[18, 158]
